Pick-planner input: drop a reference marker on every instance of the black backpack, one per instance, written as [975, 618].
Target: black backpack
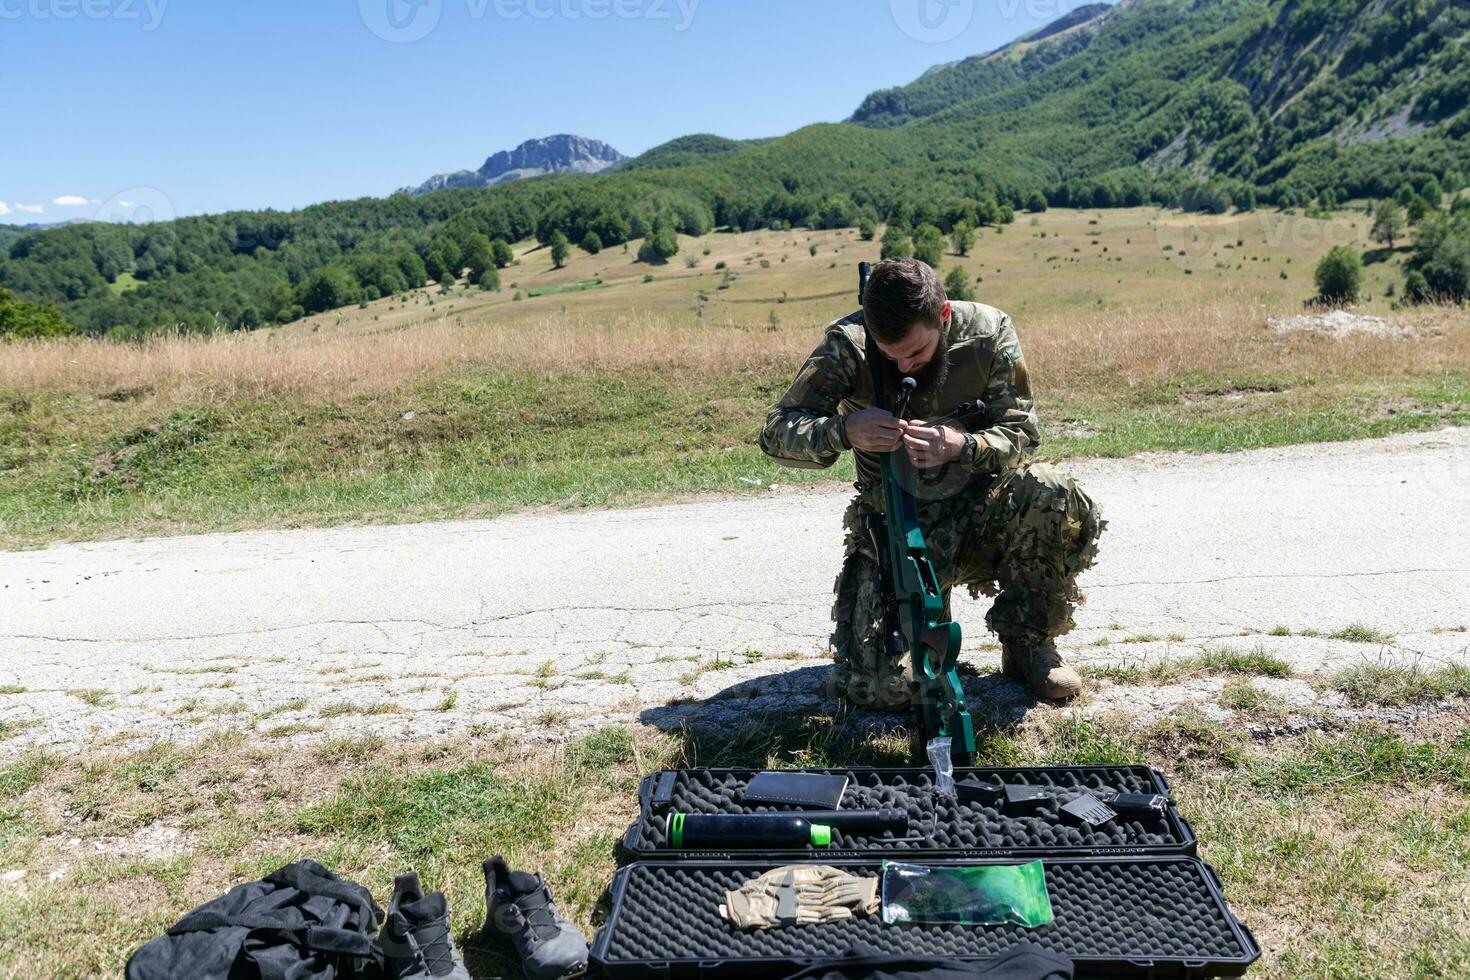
[299, 923]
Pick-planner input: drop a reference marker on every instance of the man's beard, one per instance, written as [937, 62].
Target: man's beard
[930, 377]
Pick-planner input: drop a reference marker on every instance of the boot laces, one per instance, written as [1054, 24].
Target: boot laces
[537, 912]
[434, 945]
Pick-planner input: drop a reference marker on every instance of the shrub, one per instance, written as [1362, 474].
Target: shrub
[591, 243]
[1442, 257]
[659, 246]
[1416, 290]
[560, 249]
[502, 253]
[929, 245]
[1339, 275]
[1388, 222]
[895, 244]
[962, 237]
[957, 285]
[19, 318]
[335, 286]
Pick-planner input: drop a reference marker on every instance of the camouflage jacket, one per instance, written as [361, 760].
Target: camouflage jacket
[806, 428]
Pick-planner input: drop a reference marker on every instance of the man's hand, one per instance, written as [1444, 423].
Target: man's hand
[874, 430]
[932, 445]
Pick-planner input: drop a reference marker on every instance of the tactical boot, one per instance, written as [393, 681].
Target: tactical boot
[518, 907]
[885, 686]
[416, 937]
[1037, 664]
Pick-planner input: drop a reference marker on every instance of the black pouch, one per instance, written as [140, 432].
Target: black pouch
[818, 791]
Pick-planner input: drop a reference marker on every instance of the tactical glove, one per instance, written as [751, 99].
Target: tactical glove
[800, 894]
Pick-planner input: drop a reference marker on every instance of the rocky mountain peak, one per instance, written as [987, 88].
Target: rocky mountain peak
[562, 153]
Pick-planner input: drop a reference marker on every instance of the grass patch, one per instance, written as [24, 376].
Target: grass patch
[341, 708]
[1366, 757]
[576, 287]
[292, 729]
[1358, 633]
[1255, 662]
[1194, 742]
[219, 669]
[1085, 742]
[10, 729]
[17, 777]
[1223, 660]
[285, 707]
[1389, 686]
[93, 697]
[11, 689]
[1242, 695]
[1117, 673]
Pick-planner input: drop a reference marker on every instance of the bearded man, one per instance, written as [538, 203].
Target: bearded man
[994, 520]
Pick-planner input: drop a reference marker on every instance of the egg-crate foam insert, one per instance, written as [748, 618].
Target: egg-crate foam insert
[938, 826]
[1156, 916]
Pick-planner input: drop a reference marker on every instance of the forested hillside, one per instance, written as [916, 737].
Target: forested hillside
[1207, 105]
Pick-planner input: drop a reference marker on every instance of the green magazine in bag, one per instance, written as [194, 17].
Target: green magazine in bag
[977, 895]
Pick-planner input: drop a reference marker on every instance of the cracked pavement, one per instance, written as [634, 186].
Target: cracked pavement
[712, 609]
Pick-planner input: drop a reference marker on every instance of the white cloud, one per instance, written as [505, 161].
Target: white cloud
[30, 208]
[69, 201]
[127, 204]
[4, 209]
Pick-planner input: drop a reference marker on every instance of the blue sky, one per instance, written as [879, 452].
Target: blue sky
[190, 106]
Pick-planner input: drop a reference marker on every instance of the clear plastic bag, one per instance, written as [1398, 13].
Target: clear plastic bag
[978, 895]
[943, 766]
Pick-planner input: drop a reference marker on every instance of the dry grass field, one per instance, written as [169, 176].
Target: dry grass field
[610, 381]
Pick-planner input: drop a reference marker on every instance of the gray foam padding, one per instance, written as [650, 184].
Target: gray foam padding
[938, 827]
[1143, 916]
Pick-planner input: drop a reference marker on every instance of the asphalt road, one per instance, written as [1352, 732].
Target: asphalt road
[544, 623]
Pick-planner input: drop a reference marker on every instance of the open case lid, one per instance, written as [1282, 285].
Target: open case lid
[938, 827]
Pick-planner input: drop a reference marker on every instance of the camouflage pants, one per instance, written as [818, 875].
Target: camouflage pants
[1023, 538]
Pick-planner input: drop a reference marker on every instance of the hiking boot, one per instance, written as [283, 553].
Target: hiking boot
[518, 906]
[1037, 664]
[416, 938]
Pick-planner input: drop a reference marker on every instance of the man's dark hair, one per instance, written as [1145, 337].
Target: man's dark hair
[901, 293]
